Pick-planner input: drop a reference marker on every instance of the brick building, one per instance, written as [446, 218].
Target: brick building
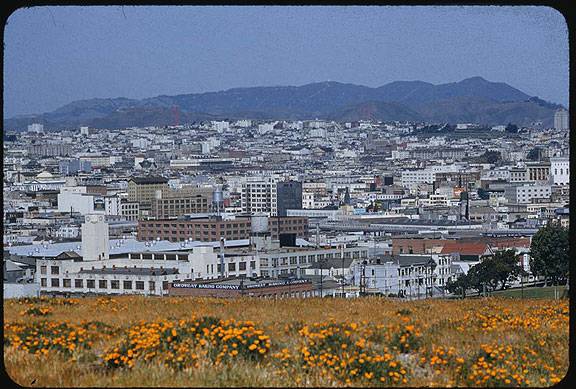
[212, 228]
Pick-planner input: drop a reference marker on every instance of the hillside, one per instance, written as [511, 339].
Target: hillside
[471, 100]
[373, 341]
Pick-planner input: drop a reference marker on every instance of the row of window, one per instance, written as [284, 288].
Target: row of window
[102, 284]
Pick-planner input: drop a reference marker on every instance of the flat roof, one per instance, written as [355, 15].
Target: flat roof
[118, 246]
[141, 271]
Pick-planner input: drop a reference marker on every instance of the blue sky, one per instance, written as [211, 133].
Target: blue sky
[55, 55]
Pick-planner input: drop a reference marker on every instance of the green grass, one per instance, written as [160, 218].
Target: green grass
[532, 292]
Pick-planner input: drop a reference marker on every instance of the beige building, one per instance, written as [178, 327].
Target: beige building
[143, 191]
[170, 204]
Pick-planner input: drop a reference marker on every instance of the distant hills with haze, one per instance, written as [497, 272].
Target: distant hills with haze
[471, 100]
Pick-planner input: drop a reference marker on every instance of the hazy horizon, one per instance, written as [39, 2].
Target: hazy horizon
[56, 55]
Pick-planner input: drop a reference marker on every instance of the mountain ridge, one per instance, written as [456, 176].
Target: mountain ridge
[416, 100]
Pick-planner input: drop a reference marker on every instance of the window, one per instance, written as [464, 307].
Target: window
[127, 284]
[114, 284]
[90, 284]
[164, 285]
[242, 266]
[231, 267]
[43, 269]
[67, 283]
[78, 283]
[140, 285]
[54, 270]
[151, 285]
[43, 282]
[252, 264]
[55, 282]
[103, 284]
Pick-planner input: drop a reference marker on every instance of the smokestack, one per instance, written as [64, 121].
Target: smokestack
[222, 257]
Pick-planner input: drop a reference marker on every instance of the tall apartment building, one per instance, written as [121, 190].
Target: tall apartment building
[561, 120]
[260, 195]
[289, 194]
[143, 190]
[209, 229]
[170, 204]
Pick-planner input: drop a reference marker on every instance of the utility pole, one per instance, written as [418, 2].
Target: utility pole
[363, 279]
[342, 255]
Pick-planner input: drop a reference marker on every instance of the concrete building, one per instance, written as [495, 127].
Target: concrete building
[74, 166]
[36, 127]
[524, 194]
[259, 194]
[169, 203]
[289, 195]
[95, 241]
[538, 171]
[560, 170]
[143, 191]
[561, 120]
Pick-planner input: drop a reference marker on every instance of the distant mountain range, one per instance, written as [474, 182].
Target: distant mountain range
[471, 100]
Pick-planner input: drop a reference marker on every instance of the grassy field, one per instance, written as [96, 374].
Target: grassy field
[138, 341]
[546, 292]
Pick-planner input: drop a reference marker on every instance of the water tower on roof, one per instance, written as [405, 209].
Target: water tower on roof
[217, 200]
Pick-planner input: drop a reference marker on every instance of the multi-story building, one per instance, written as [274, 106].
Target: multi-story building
[518, 174]
[289, 195]
[212, 228]
[74, 166]
[143, 191]
[524, 194]
[129, 209]
[260, 195]
[406, 275]
[50, 149]
[291, 260]
[560, 170]
[561, 120]
[170, 204]
[538, 171]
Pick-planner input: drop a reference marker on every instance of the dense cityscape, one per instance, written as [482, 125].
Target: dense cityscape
[287, 196]
[276, 208]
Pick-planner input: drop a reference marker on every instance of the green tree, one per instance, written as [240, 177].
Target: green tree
[458, 286]
[481, 274]
[505, 266]
[549, 253]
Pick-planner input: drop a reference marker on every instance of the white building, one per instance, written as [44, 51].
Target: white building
[411, 178]
[561, 120]
[95, 240]
[525, 194]
[560, 170]
[220, 126]
[259, 194]
[36, 127]
[407, 275]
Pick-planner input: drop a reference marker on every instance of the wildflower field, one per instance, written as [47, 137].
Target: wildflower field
[139, 341]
